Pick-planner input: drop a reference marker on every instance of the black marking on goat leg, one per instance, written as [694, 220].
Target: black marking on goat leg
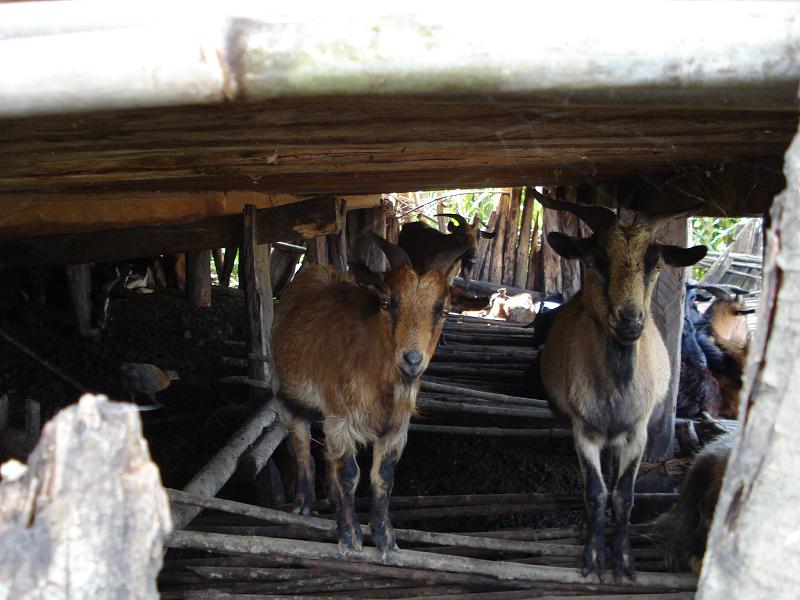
[621, 503]
[380, 525]
[300, 411]
[594, 551]
[621, 361]
[343, 474]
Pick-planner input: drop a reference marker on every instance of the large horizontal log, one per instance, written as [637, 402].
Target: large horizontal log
[38, 214]
[311, 218]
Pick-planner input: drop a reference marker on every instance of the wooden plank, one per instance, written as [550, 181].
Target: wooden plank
[79, 282]
[318, 216]
[258, 300]
[749, 552]
[198, 278]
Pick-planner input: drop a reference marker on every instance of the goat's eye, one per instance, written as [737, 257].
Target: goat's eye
[389, 303]
[439, 309]
[651, 258]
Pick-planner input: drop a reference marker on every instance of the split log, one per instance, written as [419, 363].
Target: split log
[79, 281]
[89, 515]
[409, 558]
[752, 546]
[217, 471]
[198, 278]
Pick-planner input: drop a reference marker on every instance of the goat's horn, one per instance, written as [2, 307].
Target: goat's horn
[456, 217]
[658, 220]
[396, 256]
[716, 291]
[596, 217]
[445, 258]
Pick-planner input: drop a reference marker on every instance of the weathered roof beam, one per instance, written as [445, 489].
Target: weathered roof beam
[731, 54]
[312, 218]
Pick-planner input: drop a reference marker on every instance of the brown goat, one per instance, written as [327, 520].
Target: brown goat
[605, 365]
[682, 532]
[423, 243]
[349, 349]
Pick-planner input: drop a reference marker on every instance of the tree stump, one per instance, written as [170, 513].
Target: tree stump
[88, 516]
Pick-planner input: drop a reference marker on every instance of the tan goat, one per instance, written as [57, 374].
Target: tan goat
[605, 365]
[349, 349]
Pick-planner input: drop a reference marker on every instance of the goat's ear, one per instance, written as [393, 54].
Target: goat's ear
[364, 275]
[567, 246]
[675, 256]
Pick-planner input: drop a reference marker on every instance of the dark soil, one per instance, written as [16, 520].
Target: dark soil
[163, 329]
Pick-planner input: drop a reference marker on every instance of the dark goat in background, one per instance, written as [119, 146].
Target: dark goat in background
[605, 365]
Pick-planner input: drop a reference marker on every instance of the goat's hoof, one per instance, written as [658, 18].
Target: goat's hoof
[301, 506]
[624, 564]
[350, 546]
[594, 561]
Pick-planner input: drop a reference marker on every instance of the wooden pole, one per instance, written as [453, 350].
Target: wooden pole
[511, 237]
[217, 471]
[481, 270]
[258, 296]
[524, 247]
[337, 250]
[282, 264]
[216, 255]
[753, 543]
[534, 258]
[497, 248]
[568, 225]
[551, 262]
[198, 278]
[79, 281]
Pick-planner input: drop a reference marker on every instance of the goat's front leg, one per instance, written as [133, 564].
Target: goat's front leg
[343, 474]
[628, 455]
[594, 496]
[300, 444]
[385, 453]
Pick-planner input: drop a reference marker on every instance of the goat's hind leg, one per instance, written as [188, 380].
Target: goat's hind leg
[385, 453]
[595, 494]
[627, 455]
[300, 444]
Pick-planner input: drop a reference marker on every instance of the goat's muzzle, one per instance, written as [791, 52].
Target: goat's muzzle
[412, 364]
[628, 325]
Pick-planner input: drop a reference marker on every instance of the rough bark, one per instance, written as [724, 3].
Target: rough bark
[498, 243]
[753, 544]
[524, 247]
[511, 241]
[198, 278]
[551, 261]
[88, 517]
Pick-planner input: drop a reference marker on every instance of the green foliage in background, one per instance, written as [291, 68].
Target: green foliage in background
[716, 233]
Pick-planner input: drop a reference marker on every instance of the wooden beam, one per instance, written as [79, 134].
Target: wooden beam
[311, 218]
[79, 281]
[258, 297]
[751, 552]
[198, 278]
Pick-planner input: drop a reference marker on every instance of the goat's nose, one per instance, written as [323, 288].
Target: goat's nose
[630, 316]
[413, 358]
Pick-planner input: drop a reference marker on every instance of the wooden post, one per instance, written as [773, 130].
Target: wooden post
[524, 248]
[496, 257]
[752, 549]
[534, 259]
[216, 255]
[282, 264]
[337, 250]
[481, 270]
[392, 228]
[198, 277]
[358, 222]
[227, 266]
[667, 312]
[511, 237]
[258, 298]
[79, 280]
[551, 262]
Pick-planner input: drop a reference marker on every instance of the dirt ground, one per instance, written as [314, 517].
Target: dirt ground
[163, 329]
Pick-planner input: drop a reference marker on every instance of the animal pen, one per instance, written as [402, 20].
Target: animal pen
[275, 137]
